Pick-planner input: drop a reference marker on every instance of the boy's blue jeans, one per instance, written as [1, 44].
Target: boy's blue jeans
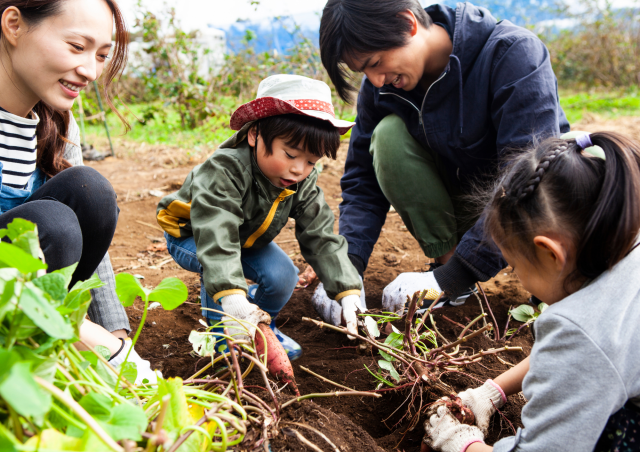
[269, 267]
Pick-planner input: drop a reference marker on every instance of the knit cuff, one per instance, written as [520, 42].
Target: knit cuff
[455, 277]
[466, 446]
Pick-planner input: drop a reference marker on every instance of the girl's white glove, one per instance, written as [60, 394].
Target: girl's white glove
[483, 401]
[332, 312]
[394, 296]
[143, 366]
[239, 307]
[445, 433]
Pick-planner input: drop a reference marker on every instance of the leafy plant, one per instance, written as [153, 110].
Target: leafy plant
[54, 397]
[527, 314]
[416, 357]
[601, 49]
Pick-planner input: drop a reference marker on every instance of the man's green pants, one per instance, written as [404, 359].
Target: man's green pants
[414, 180]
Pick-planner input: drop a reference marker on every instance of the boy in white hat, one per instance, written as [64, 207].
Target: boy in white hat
[222, 222]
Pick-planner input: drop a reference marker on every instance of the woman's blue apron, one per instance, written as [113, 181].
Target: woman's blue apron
[14, 197]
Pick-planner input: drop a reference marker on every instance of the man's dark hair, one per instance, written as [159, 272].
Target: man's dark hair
[355, 28]
[316, 136]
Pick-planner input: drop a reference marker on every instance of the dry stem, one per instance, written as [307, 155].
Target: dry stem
[326, 379]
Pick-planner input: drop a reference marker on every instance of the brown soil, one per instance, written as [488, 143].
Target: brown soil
[353, 424]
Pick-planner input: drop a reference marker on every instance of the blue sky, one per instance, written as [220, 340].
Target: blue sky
[197, 14]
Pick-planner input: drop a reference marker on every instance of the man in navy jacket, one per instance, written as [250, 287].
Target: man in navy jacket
[447, 93]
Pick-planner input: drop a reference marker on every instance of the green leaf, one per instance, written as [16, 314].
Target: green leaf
[127, 422]
[523, 313]
[7, 359]
[22, 392]
[106, 374]
[8, 441]
[129, 371]
[46, 369]
[29, 242]
[103, 351]
[170, 293]
[9, 293]
[128, 288]
[97, 405]
[34, 304]
[395, 340]
[203, 343]
[51, 439]
[16, 228]
[90, 358]
[386, 365]
[78, 300]
[92, 283]
[542, 307]
[54, 284]
[67, 273]
[372, 326]
[12, 256]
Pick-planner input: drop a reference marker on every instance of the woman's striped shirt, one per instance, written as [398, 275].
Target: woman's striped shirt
[18, 145]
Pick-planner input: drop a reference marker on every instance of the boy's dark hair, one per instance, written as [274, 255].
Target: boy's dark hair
[557, 187]
[356, 28]
[316, 136]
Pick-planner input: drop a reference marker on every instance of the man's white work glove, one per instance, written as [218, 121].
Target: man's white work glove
[332, 312]
[483, 401]
[394, 296]
[239, 307]
[143, 366]
[445, 433]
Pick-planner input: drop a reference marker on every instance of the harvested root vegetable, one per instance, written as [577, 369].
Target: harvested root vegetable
[457, 409]
[460, 411]
[277, 360]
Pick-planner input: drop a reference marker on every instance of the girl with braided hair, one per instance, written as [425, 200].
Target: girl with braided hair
[566, 217]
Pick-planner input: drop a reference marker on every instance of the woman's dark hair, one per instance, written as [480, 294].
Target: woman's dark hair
[54, 125]
[556, 187]
[356, 28]
[316, 136]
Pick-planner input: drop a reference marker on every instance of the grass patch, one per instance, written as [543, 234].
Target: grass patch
[607, 104]
[165, 128]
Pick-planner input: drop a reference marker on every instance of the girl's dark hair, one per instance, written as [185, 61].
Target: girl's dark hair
[557, 187]
[356, 28]
[54, 125]
[316, 136]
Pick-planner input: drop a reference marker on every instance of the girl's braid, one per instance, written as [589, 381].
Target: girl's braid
[531, 185]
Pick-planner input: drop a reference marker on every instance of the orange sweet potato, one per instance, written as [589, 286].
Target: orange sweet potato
[277, 360]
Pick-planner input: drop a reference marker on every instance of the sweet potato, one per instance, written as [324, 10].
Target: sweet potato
[277, 360]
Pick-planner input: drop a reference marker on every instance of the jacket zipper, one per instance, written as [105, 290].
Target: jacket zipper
[419, 110]
[422, 106]
[267, 222]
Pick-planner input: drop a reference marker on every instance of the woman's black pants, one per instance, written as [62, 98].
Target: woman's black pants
[76, 214]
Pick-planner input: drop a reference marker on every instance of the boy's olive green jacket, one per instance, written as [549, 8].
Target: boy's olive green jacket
[228, 204]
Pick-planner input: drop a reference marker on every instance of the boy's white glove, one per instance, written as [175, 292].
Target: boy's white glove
[479, 400]
[394, 296]
[143, 366]
[332, 312]
[445, 433]
[239, 307]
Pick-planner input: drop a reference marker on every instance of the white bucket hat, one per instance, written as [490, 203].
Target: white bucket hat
[284, 93]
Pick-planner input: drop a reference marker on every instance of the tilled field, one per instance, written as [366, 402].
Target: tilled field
[353, 424]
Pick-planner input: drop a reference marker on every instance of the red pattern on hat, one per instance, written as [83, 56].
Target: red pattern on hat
[270, 106]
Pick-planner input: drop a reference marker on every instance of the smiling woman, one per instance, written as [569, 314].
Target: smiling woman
[49, 51]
